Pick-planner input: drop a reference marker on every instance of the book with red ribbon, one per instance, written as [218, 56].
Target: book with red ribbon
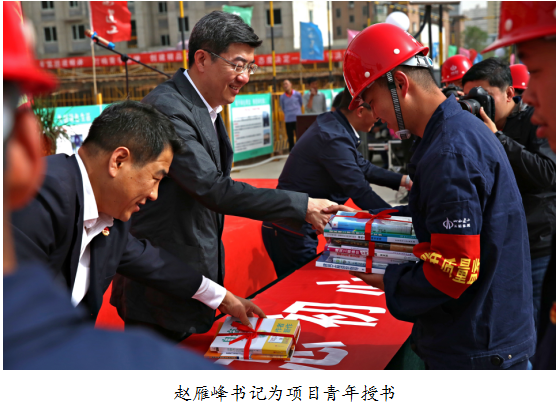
[382, 227]
[355, 235]
[269, 339]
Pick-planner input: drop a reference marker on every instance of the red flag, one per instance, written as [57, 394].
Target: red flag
[111, 20]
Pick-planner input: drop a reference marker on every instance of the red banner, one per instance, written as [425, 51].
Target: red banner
[111, 20]
[290, 58]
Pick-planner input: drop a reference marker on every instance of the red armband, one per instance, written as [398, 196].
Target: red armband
[451, 262]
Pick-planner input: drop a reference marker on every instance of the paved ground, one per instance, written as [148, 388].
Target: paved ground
[273, 169]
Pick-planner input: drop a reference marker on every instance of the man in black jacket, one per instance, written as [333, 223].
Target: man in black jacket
[78, 222]
[326, 163]
[188, 219]
[41, 329]
[531, 158]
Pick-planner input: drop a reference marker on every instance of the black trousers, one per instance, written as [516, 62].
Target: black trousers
[173, 336]
[288, 251]
[291, 128]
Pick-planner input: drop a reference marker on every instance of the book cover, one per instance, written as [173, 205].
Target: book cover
[322, 262]
[362, 253]
[265, 344]
[397, 225]
[357, 236]
[364, 244]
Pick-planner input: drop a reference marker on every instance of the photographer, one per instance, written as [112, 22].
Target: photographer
[453, 70]
[532, 160]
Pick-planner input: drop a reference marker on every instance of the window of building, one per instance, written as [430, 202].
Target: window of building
[364, 25]
[351, 19]
[50, 34]
[338, 12]
[165, 39]
[365, 10]
[162, 7]
[186, 24]
[338, 30]
[47, 5]
[78, 32]
[311, 15]
[133, 43]
[73, 4]
[351, 4]
[276, 17]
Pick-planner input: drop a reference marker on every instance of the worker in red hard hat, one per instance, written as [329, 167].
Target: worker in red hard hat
[531, 26]
[454, 68]
[466, 297]
[520, 78]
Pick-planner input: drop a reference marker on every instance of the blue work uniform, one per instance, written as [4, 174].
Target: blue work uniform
[325, 163]
[42, 330]
[470, 297]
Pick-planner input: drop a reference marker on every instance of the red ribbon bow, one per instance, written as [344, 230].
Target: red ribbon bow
[249, 334]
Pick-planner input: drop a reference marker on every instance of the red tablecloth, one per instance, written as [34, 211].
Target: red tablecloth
[345, 323]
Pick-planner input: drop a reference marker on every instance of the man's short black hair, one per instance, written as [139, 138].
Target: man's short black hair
[346, 100]
[141, 128]
[311, 79]
[493, 70]
[216, 31]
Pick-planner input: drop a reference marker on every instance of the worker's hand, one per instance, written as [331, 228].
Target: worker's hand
[315, 215]
[340, 208]
[313, 91]
[403, 182]
[489, 123]
[375, 280]
[240, 308]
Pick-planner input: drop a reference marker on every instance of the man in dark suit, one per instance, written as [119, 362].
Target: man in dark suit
[78, 225]
[188, 220]
[41, 328]
[326, 163]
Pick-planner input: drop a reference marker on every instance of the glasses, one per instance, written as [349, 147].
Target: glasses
[238, 68]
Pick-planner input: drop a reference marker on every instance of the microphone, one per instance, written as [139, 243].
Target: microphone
[95, 37]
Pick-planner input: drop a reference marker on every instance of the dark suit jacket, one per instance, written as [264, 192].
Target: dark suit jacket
[188, 217]
[49, 230]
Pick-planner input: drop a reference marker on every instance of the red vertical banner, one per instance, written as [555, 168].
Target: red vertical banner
[111, 20]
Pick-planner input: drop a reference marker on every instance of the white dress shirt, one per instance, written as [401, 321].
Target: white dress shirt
[209, 292]
[356, 132]
[212, 112]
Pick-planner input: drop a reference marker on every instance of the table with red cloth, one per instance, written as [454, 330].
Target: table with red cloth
[345, 323]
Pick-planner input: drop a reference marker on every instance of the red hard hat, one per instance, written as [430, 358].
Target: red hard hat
[523, 21]
[520, 76]
[455, 67]
[375, 51]
[19, 62]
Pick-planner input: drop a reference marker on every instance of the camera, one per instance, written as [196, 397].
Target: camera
[451, 90]
[475, 99]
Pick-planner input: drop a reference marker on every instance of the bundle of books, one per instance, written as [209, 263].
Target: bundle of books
[367, 245]
[272, 339]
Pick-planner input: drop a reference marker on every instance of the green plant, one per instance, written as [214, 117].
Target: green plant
[44, 109]
[475, 38]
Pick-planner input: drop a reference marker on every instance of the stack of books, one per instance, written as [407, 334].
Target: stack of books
[275, 340]
[351, 247]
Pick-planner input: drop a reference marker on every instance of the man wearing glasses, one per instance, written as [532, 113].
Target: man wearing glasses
[188, 217]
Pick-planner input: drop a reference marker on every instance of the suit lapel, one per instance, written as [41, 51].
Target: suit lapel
[200, 113]
[227, 154]
[78, 227]
[98, 255]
